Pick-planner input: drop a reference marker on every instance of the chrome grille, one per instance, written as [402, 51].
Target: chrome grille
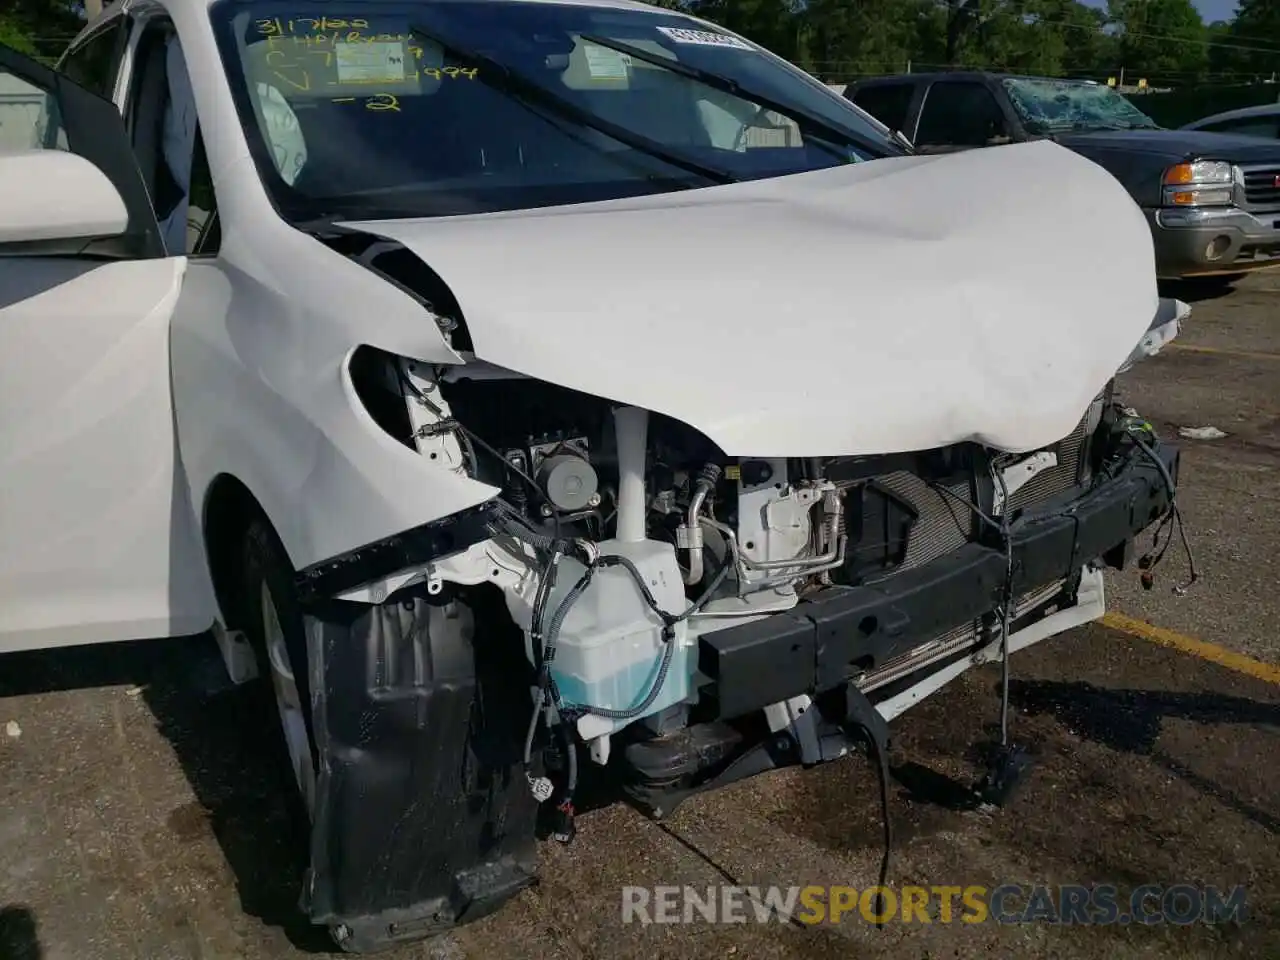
[1262, 186]
[945, 523]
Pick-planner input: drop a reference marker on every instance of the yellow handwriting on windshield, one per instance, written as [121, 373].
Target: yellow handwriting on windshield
[378, 103]
[293, 77]
[280, 27]
[301, 52]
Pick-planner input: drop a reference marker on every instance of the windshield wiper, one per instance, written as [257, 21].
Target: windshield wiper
[534, 95]
[821, 129]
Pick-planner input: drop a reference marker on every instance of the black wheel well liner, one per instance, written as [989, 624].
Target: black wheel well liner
[229, 508]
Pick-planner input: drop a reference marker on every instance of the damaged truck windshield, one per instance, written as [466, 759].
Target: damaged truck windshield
[465, 107]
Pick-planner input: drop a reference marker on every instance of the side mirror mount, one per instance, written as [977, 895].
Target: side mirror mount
[52, 201]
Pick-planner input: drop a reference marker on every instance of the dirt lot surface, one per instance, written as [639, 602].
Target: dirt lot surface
[140, 815]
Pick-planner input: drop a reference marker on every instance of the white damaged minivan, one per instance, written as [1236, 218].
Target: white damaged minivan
[535, 390]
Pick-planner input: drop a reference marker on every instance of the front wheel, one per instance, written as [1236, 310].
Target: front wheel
[273, 620]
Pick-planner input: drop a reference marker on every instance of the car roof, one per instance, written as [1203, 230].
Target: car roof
[1244, 113]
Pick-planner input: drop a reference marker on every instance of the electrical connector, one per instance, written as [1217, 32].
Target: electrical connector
[563, 828]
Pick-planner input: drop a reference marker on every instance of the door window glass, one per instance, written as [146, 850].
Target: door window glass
[888, 103]
[94, 63]
[29, 116]
[960, 114]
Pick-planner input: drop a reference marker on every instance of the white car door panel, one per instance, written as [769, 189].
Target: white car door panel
[97, 538]
[99, 541]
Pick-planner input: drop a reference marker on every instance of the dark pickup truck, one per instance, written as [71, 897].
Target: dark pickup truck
[1212, 199]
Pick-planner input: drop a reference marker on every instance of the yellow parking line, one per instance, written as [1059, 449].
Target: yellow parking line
[1247, 354]
[1197, 648]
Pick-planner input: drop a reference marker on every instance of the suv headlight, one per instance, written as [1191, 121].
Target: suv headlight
[1203, 183]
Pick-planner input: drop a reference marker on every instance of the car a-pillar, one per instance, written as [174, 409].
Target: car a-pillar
[409, 764]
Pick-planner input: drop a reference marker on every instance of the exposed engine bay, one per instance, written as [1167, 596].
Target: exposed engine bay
[617, 593]
[516, 547]
[623, 535]
[620, 537]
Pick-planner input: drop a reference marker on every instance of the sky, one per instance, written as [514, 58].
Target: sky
[1210, 10]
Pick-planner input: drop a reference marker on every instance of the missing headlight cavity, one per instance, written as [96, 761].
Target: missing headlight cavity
[377, 383]
[402, 268]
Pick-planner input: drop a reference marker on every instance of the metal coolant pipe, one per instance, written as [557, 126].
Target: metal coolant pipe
[631, 425]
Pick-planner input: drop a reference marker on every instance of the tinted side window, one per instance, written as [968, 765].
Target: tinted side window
[169, 145]
[888, 103]
[960, 113]
[95, 62]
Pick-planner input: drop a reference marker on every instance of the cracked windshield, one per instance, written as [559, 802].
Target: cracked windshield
[1048, 105]
[465, 107]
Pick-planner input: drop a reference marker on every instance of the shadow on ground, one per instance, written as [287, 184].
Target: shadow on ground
[1197, 291]
[1130, 721]
[225, 739]
[1126, 720]
[19, 935]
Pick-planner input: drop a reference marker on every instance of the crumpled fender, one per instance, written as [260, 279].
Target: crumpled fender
[1165, 327]
[261, 340]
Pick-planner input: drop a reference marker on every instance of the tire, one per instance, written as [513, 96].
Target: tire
[274, 624]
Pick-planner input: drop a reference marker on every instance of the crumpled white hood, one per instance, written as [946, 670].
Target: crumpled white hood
[891, 306]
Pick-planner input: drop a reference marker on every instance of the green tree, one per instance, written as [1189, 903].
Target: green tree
[1256, 32]
[12, 35]
[1028, 36]
[774, 24]
[843, 39]
[1164, 41]
[1089, 50]
[40, 27]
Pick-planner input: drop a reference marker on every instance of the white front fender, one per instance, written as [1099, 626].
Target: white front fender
[262, 392]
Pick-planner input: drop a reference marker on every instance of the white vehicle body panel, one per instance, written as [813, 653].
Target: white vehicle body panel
[108, 552]
[996, 347]
[261, 336]
[925, 303]
[260, 348]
